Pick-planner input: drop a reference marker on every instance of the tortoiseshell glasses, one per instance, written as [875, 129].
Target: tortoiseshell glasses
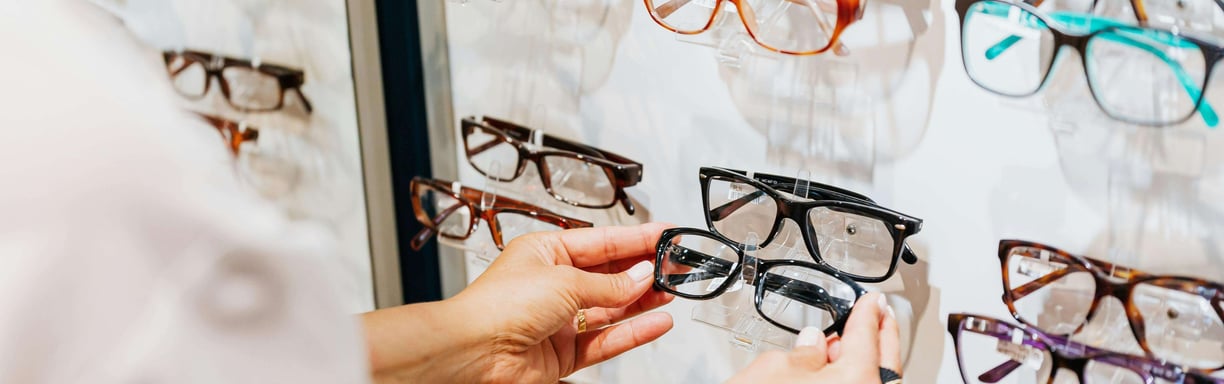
[794, 27]
[249, 86]
[574, 173]
[841, 229]
[992, 351]
[234, 133]
[453, 211]
[1174, 318]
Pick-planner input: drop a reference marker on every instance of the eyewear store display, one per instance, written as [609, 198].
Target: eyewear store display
[799, 252]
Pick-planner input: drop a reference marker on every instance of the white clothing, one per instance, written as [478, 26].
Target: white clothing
[128, 253]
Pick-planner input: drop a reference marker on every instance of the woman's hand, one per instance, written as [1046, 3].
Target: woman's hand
[516, 322]
[871, 341]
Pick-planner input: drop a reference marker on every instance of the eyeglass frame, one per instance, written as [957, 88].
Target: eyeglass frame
[1102, 272]
[466, 197]
[760, 267]
[234, 133]
[214, 65]
[620, 170]
[1058, 348]
[848, 12]
[899, 225]
[1212, 54]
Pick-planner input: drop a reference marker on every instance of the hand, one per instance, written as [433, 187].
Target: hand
[871, 340]
[516, 322]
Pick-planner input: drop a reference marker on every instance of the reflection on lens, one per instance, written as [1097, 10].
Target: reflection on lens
[987, 357]
[1174, 71]
[798, 297]
[448, 216]
[513, 224]
[491, 155]
[698, 265]
[579, 181]
[1098, 372]
[852, 243]
[1005, 48]
[737, 210]
[252, 89]
[794, 25]
[683, 15]
[188, 77]
[1179, 326]
[1058, 306]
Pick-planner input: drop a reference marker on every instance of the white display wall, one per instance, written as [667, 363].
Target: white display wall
[897, 119]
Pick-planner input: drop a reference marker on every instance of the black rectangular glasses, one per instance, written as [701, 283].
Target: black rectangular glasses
[841, 229]
[790, 294]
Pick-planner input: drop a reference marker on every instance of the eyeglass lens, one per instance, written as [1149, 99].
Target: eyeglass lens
[449, 216]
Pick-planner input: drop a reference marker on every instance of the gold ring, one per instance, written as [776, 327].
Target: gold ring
[581, 320]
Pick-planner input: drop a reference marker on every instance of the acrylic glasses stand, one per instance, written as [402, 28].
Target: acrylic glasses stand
[812, 110]
[1160, 215]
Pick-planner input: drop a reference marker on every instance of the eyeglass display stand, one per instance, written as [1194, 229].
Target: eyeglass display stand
[735, 310]
[1152, 203]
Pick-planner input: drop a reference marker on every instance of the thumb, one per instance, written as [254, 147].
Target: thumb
[809, 351]
[860, 344]
[611, 290]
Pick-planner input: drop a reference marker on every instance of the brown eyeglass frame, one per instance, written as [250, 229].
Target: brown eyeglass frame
[234, 133]
[214, 65]
[848, 12]
[472, 199]
[622, 171]
[1101, 272]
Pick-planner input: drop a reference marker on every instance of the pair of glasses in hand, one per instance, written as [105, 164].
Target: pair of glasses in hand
[841, 229]
[991, 351]
[790, 294]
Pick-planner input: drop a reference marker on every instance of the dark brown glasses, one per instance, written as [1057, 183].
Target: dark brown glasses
[795, 27]
[1174, 318]
[573, 173]
[453, 211]
[247, 86]
[234, 133]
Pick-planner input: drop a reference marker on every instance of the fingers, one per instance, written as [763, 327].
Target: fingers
[809, 351]
[860, 343]
[587, 247]
[609, 290]
[598, 346]
[890, 341]
[602, 317]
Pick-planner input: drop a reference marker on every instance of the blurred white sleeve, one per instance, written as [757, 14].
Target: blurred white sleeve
[128, 253]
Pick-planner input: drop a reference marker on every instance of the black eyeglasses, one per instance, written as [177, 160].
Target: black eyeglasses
[247, 85]
[842, 229]
[790, 294]
[574, 173]
[990, 351]
[1010, 48]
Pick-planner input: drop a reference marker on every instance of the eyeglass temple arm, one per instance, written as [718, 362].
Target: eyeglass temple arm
[423, 236]
[998, 373]
[305, 102]
[1205, 109]
[1032, 286]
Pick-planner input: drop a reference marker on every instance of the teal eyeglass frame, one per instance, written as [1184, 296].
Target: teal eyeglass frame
[1087, 27]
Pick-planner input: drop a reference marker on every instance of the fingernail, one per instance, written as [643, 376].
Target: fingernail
[891, 313]
[884, 307]
[641, 271]
[809, 336]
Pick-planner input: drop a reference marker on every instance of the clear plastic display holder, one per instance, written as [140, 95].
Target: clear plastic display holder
[735, 310]
[1150, 192]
